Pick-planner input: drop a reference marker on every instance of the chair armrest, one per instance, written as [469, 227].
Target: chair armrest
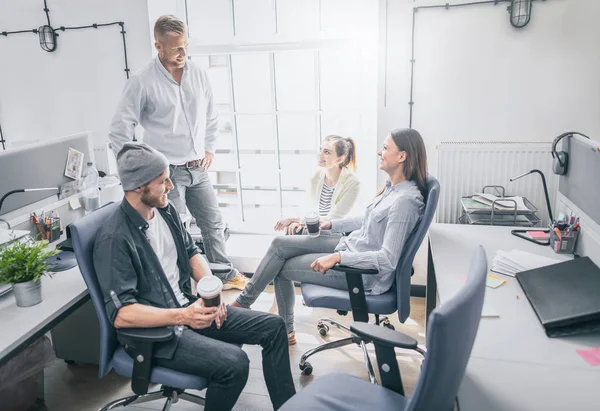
[351, 270]
[219, 268]
[385, 340]
[383, 336]
[157, 334]
[356, 290]
[142, 353]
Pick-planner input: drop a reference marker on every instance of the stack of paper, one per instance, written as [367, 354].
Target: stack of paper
[501, 203]
[515, 261]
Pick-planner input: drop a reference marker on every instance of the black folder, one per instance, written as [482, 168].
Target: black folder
[565, 296]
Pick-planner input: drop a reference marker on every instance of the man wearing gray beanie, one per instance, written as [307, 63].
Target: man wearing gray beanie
[144, 260]
[171, 98]
[138, 164]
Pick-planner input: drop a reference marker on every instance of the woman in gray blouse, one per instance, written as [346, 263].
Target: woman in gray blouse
[376, 241]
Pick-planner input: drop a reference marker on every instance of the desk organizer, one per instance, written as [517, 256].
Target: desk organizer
[563, 243]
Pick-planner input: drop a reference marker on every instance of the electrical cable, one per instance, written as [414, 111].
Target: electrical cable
[65, 28]
[47, 10]
[2, 138]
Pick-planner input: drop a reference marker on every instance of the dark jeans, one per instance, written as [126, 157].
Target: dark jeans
[211, 353]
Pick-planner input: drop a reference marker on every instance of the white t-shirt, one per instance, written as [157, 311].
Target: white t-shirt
[163, 244]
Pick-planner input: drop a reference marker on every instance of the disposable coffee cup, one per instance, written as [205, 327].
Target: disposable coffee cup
[209, 289]
[312, 222]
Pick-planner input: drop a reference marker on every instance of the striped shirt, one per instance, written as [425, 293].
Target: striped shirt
[325, 200]
[378, 237]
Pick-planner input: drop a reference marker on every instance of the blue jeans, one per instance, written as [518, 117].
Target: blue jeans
[287, 260]
[194, 189]
[211, 353]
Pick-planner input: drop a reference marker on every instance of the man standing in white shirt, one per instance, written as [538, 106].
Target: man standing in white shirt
[172, 100]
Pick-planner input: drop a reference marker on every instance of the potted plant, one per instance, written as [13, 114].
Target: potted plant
[22, 264]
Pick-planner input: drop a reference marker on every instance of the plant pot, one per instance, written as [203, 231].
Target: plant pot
[28, 293]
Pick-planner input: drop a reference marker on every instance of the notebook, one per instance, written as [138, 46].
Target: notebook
[564, 296]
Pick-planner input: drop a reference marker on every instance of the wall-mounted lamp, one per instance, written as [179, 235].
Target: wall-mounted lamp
[25, 190]
[47, 38]
[520, 12]
[22, 190]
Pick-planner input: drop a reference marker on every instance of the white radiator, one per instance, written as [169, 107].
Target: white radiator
[465, 168]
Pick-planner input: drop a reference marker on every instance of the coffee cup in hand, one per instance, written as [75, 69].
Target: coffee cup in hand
[312, 224]
[209, 289]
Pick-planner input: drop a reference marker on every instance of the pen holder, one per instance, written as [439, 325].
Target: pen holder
[563, 243]
[54, 229]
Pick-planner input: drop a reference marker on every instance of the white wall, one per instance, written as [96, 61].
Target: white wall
[48, 95]
[479, 79]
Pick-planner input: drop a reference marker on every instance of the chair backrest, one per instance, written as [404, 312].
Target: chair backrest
[83, 235]
[404, 268]
[451, 332]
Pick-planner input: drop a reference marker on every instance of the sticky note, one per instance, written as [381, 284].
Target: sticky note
[591, 356]
[488, 311]
[74, 202]
[493, 281]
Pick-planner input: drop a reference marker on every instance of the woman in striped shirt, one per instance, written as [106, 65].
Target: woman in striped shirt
[334, 187]
[376, 241]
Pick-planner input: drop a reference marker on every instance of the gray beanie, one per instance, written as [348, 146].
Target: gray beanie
[138, 164]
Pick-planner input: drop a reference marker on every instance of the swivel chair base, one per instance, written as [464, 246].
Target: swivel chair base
[172, 396]
[323, 328]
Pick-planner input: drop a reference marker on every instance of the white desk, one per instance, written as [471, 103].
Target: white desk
[62, 294]
[514, 365]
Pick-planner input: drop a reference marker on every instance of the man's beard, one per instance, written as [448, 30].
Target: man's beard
[152, 201]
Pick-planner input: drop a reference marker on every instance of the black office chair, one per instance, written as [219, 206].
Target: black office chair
[451, 332]
[361, 305]
[112, 355]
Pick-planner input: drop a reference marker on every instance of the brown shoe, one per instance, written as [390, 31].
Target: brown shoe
[292, 338]
[238, 282]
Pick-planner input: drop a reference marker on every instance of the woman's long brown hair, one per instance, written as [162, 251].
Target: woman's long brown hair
[415, 165]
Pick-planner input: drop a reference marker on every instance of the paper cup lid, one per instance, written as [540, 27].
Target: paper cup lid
[209, 286]
[311, 217]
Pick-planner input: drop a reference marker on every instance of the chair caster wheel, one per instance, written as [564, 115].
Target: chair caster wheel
[323, 329]
[306, 369]
[389, 325]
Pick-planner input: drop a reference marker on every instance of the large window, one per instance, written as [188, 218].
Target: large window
[284, 74]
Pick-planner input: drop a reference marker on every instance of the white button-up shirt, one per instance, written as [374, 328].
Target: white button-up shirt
[179, 120]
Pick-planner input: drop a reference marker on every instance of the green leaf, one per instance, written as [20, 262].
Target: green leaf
[22, 261]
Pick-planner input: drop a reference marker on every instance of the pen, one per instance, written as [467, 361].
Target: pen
[39, 226]
[558, 233]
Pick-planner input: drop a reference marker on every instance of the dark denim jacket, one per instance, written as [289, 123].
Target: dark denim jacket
[129, 271]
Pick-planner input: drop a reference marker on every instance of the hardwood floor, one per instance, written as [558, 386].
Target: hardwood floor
[76, 387]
